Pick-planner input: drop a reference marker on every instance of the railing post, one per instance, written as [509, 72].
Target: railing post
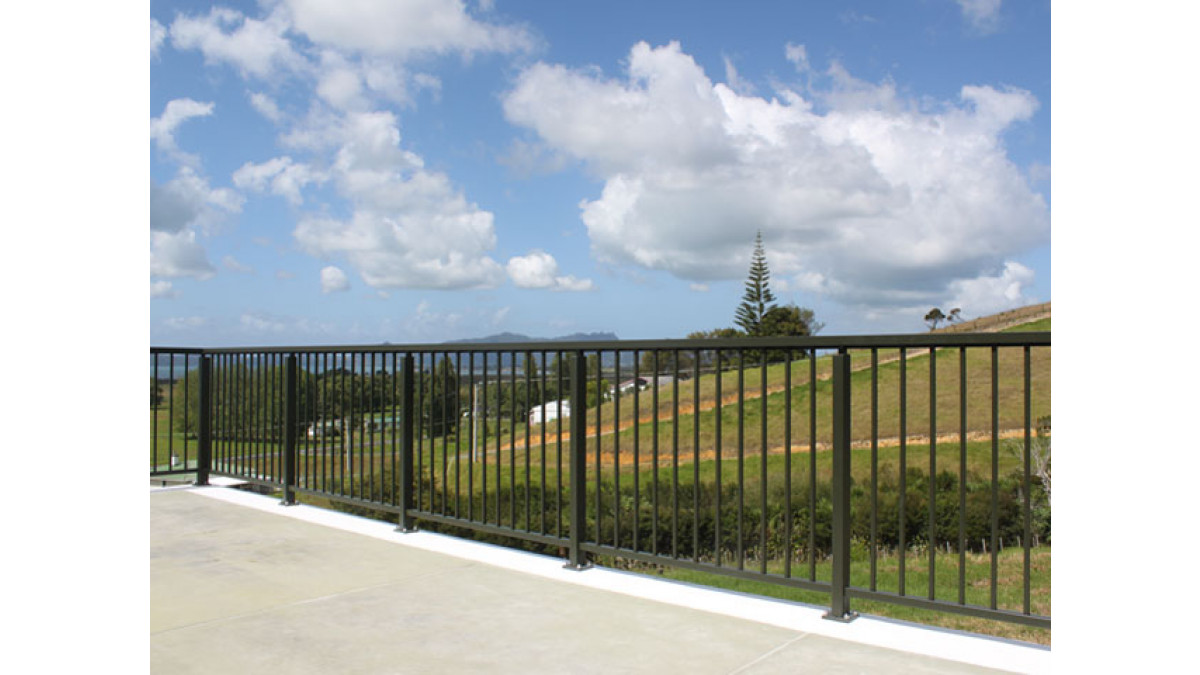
[205, 422]
[839, 600]
[289, 430]
[577, 511]
[407, 417]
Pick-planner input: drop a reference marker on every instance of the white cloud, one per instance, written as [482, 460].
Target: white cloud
[868, 198]
[403, 249]
[266, 106]
[176, 112]
[982, 15]
[257, 48]
[178, 209]
[734, 80]
[798, 55]
[158, 34]
[177, 254]
[570, 283]
[429, 82]
[405, 226]
[618, 127]
[187, 201]
[539, 269]
[991, 294]
[535, 270]
[185, 322]
[402, 28]
[162, 289]
[339, 82]
[281, 175]
[410, 228]
[260, 323]
[333, 280]
[997, 109]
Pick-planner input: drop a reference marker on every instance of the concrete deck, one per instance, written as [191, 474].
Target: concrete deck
[240, 583]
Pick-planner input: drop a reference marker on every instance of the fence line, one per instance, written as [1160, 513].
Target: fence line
[822, 464]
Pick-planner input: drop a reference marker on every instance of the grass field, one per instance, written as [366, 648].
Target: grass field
[876, 404]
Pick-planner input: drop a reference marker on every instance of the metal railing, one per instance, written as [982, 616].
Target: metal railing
[899, 469]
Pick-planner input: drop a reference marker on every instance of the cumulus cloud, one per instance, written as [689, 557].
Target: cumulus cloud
[861, 195]
[981, 15]
[333, 280]
[188, 201]
[281, 176]
[539, 269]
[258, 48]
[178, 209]
[404, 225]
[175, 113]
[402, 28]
[158, 34]
[988, 294]
[339, 82]
[178, 254]
[410, 228]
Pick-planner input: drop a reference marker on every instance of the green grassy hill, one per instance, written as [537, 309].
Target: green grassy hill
[767, 391]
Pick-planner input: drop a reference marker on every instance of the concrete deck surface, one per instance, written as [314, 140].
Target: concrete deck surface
[241, 584]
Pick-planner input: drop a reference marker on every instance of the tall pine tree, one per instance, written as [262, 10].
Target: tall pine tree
[758, 298]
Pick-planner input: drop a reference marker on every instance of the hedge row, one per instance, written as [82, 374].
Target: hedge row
[700, 529]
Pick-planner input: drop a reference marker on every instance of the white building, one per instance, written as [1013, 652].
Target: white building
[323, 429]
[549, 411]
[627, 386]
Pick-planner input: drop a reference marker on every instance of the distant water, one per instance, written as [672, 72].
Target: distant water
[166, 368]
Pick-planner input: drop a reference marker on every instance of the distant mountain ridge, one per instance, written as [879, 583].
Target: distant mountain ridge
[501, 338]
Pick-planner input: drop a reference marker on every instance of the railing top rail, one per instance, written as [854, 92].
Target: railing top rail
[909, 340]
[178, 350]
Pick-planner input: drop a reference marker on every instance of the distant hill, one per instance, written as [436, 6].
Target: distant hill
[507, 360]
[517, 337]
[995, 323]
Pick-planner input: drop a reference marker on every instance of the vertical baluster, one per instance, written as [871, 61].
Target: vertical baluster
[903, 462]
[962, 476]
[995, 543]
[874, 467]
[932, 469]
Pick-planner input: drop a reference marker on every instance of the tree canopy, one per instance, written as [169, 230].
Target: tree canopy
[758, 298]
[935, 316]
[789, 320]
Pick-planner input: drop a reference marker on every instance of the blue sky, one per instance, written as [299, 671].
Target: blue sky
[326, 172]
